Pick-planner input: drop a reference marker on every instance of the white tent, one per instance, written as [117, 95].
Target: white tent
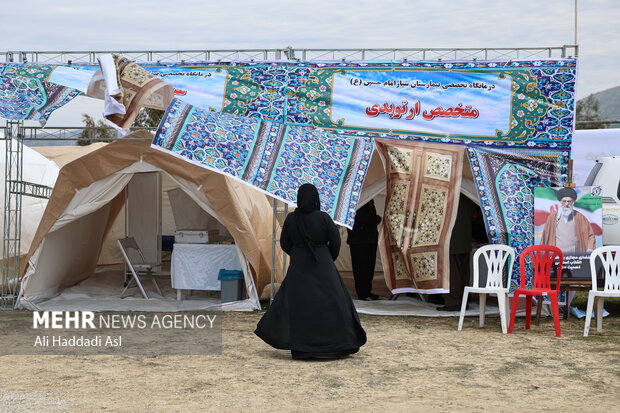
[38, 170]
[88, 197]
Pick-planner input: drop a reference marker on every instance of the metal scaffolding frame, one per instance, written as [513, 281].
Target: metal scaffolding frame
[12, 212]
[15, 187]
[73, 134]
[290, 53]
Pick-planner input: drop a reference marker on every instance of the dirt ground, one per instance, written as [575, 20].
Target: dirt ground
[408, 364]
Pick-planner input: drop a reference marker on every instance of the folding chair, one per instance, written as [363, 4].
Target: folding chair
[138, 269]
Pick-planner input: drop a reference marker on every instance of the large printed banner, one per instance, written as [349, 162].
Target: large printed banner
[269, 156]
[512, 103]
[276, 125]
[423, 183]
[502, 103]
[424, 102]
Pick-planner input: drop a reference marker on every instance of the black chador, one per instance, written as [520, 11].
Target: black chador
[312, 314]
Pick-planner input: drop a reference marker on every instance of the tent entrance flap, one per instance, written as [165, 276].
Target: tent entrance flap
[143, 210]
[66, 256]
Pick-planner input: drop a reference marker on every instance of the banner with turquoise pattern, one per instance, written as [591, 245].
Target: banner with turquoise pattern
[270, 156]
[25, 93]
[500, 103]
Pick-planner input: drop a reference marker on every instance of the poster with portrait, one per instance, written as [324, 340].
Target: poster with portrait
[571, 219]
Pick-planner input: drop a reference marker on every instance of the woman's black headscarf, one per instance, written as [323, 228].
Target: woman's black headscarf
[308, 198]
[307, 201]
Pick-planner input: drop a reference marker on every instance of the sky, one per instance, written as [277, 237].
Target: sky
[68, 25]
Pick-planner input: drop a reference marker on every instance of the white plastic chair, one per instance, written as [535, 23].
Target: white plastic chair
[496, 257]
[137, 269]
[610, 260]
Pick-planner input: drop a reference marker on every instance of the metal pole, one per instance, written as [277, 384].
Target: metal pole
[284, 257]
[12, 213]
[273, 249]
[5, 254]
[274, 246]
[576, 23]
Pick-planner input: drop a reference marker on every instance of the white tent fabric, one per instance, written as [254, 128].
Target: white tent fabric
[415, 307]
[112, 92]
[62, 155]
[38, 170]
[93, 294]
[99, 194]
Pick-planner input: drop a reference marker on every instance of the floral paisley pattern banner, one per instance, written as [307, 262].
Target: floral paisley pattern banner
[522, 103]
[505, 180]
[270, 156]
[26, 95]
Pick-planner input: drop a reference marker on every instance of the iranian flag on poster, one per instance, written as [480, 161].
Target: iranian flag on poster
[549, 206]
[588, 203]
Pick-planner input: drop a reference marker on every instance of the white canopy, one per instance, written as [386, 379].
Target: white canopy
[38, 170]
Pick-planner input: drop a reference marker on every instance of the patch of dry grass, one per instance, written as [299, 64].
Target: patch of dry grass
[409, 363]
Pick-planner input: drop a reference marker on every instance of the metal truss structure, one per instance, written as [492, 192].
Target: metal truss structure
[290, 53]
[16, 134]
[12, 213]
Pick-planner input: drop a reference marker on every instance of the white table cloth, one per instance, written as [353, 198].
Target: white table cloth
[196, 266]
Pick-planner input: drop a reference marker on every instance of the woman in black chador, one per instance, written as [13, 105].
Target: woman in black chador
[312, 314]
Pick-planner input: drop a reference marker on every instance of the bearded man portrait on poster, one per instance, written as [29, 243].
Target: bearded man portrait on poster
[568, 229]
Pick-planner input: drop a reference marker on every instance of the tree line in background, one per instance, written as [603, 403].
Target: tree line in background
[587, 114]
[100, 131]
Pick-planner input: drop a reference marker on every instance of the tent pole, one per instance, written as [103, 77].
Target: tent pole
[283, 253]
[274, 245]
[273, 248]
[12, 213]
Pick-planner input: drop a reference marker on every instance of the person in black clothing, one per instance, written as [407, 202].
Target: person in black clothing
[312, 315]
[460, 250]
[363, 240]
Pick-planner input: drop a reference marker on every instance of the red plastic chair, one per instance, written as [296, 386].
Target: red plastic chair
[542, 258]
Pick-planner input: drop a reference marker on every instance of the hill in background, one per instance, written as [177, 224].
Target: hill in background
[609, 103]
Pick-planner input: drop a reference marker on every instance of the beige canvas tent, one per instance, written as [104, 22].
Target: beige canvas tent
[110, 253]
[88, 196]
